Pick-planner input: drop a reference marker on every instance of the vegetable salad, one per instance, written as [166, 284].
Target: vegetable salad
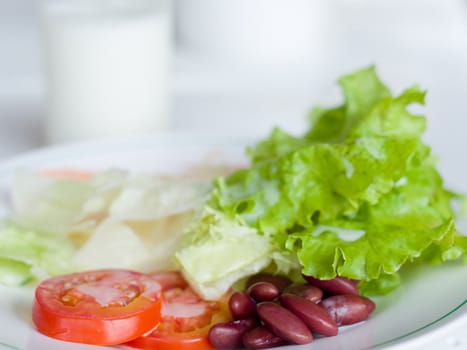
[358, 195]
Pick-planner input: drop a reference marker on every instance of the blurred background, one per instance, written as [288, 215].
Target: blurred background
[229, 66]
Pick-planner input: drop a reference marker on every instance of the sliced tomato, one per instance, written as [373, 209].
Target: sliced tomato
[169, 279]
[103, 307]
[73, 174]
[186, 320]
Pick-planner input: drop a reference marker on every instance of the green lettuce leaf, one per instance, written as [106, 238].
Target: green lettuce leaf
[221, 250]
[27, 255]
[357, 195]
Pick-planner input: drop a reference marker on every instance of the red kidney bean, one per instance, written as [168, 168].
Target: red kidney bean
[279, 281]
[314, 316]
[370, 304]
[263, 291]
[307, 291]
[348, 308]
[242, 305]
[337, 285]
[228, 335]
[261, 338]
[284, 323]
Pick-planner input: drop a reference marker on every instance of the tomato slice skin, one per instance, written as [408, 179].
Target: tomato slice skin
[189, 341]
[102, 307]
[184, 332]
[72, 174]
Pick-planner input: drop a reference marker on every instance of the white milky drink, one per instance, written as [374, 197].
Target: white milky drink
[107, 66]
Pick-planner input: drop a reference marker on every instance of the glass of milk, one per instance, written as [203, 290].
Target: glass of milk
[107, 67]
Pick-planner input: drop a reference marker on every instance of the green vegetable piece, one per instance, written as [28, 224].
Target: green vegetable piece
[14, 273]
[357, 195]
[27, 255]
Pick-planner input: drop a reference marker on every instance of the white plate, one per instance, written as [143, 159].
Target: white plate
[430, 302]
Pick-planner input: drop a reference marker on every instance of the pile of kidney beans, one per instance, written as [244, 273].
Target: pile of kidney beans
[272, 311]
